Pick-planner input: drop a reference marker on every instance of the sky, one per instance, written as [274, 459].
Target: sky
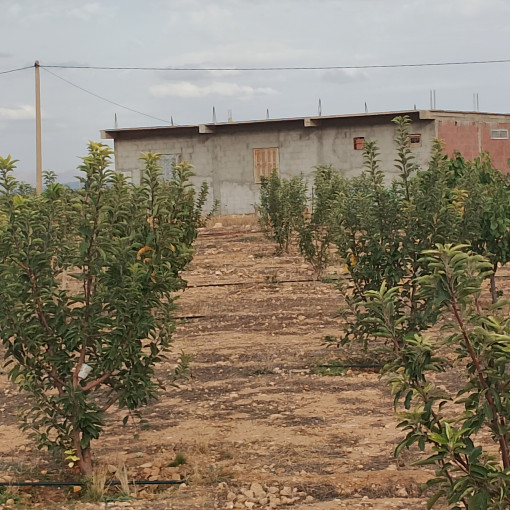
[235, 34]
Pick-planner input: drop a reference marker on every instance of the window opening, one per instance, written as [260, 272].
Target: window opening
[359, 143]
[499, 134]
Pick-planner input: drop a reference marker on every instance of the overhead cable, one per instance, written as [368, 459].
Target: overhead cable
[279, 68]
[104, 98]
[18, 69]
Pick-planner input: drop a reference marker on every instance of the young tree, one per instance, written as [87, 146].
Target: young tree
[78, 351]
[316, 230]
[449, 423]
[487, 211]
[282, 206]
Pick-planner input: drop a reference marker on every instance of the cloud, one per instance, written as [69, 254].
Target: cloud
[187, 89]
[243, 54]
[22, 112]
[344, 75]
[86, 11]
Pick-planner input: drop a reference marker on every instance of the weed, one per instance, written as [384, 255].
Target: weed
[264, 371]
[179, 460]
[227, 453]
[96, 484]
[331, 370]
[211, 475]
[122, 475]
[6, 495]
[203, 447]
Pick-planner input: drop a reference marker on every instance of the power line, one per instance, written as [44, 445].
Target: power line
[281, 68]
[14, 70]
[300, 68]
[104, 98]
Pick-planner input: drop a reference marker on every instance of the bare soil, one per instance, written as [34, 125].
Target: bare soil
[255, 409]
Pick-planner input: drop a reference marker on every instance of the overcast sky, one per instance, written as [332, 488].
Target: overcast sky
[233, 34]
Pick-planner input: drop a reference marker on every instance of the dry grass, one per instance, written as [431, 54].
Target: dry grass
[97, 486]
[203, 474]
[234, 220]
[203, 447]
[122, 475]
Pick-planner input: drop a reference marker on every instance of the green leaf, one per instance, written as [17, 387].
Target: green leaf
[434, 498]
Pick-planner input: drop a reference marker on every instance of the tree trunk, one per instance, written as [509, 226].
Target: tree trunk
[85, 462]
[494, 291]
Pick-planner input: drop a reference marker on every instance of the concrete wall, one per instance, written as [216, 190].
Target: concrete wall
[225, 158]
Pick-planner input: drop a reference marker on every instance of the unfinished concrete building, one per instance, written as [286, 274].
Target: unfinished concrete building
[232, 156]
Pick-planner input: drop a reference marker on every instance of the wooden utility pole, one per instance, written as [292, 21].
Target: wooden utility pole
[38, 144]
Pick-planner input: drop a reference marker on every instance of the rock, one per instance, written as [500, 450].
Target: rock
[241, 498]
[231, 496]
[249, 504]
[147, 465]
[229, 505]
[258, 490]
[309, 499]
[286, 491]
[248, 493]
[263, 501]
[287, 501]
[272, 490]
[402, 493]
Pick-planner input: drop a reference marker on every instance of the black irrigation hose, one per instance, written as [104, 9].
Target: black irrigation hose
[252, 282]
[356, 365]
[113, 482]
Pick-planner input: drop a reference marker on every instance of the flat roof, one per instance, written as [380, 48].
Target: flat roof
[315, 121]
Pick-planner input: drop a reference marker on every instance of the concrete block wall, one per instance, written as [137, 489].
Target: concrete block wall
[225, 158]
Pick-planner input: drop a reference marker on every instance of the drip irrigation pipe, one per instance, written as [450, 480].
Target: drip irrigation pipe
[66, 484]
[225, 234]
[257, 282]
[356, 365]
[265, 282]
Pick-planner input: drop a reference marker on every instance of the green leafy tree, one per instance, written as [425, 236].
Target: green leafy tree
[77, 351]
[447, 423]
[281, 209]
[316, 231]
[384, 228]
[487, 211]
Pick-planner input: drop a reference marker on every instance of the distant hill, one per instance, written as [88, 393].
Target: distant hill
[72, 184]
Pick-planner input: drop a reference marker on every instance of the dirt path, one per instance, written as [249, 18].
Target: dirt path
[258, 427]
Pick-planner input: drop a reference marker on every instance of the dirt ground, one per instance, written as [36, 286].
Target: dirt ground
[258, 425]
